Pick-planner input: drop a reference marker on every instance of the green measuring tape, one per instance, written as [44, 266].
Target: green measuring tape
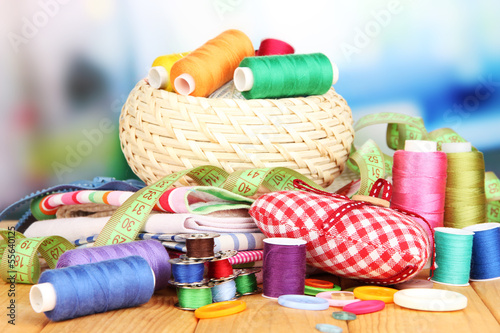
[20, 255]
[400, 127]
[129, 219]
[492, 190]
[369, 161]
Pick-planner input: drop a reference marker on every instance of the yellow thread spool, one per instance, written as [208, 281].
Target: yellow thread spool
[159, 74]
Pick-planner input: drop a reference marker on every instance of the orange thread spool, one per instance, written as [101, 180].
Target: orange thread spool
[207, 68]
[319, 283]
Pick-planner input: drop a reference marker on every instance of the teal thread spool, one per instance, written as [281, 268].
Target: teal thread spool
[285, 76]
[453, 256]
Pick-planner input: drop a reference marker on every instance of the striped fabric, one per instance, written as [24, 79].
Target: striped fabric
[227, 241]
[246, 257]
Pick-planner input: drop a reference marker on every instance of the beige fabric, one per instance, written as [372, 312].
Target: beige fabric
[89, 210]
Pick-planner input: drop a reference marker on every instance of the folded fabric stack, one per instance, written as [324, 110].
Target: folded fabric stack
[79, 216]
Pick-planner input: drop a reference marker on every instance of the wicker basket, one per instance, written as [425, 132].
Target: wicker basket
[163, 132]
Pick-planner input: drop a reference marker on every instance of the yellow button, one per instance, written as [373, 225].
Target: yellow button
[368, 293]
[220, 309]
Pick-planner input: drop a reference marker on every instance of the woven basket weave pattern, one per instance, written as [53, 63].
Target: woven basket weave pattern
[163, 132]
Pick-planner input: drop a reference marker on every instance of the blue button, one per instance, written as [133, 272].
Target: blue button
[303, 302]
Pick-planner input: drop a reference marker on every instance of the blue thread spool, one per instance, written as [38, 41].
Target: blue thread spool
[224, 291]
[186, 272]
[82, 290]
[485, 263]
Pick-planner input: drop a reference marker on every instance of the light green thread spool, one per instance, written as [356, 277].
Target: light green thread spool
[285, 76]
[453, 256]
[191, 298]
[465, 201]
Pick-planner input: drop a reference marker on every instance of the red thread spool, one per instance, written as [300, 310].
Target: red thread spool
[271, 46]
[219, 269]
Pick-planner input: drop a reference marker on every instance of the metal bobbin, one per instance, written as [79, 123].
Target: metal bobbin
[200, 245]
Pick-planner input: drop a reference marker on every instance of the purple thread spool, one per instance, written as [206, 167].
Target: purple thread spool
[151, 250]
[284, 267]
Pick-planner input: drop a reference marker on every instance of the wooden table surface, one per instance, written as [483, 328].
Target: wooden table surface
[263, 315]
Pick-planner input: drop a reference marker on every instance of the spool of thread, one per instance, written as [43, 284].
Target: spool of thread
[246, 283]
[453, 256]
[82, 290]
[284, 267]
[285, 76]
[207, 68]
[485, 263]
[220, 269]
[159, 74]
[187, 271]
[224, 291]
[419, 182]
[465, 202]
[153, 251]
[271, 46]
[191, 298]
[200, 246]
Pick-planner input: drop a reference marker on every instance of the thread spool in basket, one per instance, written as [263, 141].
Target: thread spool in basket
[284, 267]
[82, 290]
[419, 182]
[159, 73]
[453, 253]
[285, 76]
[271, 46]
[153, 251]
[465, 199]
[485, 263]
[210, 66]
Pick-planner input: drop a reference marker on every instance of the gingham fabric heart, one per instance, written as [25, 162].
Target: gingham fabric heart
[347, 238]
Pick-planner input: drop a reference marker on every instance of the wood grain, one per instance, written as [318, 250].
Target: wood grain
[158, 315]
[489, 292]
[475, 318]
[27, 321]
[264, 315]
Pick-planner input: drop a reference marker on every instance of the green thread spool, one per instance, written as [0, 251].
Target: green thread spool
[246, 284]
[465, 201]
[285, 76]
[191, 298]
[453, 256]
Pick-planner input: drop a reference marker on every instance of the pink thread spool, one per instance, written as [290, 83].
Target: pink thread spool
[419, 182]
[271, 46]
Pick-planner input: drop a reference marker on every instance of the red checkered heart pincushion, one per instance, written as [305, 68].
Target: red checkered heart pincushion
[347, 238]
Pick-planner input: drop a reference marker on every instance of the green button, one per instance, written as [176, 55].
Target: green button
[342, 315]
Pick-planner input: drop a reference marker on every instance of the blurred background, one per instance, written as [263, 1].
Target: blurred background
[67, 67]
